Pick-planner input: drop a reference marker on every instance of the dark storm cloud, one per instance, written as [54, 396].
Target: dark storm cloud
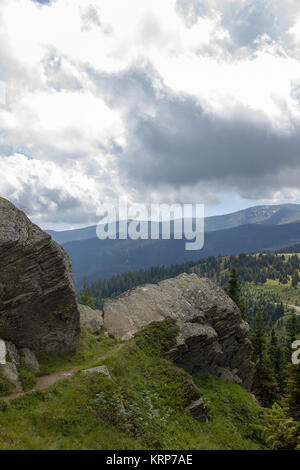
[171, 140]
[132, 88]
[47, 196]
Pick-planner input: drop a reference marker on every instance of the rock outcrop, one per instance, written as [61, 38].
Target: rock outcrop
[38, 307]
[212, 334]
[29, 360]
[90, 318]
[11, 358]
[10, 373]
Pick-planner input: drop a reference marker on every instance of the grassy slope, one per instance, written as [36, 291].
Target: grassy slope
[287, 293]
[143, 407]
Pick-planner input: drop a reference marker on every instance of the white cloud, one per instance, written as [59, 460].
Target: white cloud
[54, 193]
[83, 77]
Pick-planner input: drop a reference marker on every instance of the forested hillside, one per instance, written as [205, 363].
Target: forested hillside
[100, 259]
[269, 281]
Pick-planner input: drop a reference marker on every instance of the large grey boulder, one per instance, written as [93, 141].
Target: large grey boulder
[212, 334]
[13, 353]
[38, 306]
[29, 360]
[92, 319]
[9, 372]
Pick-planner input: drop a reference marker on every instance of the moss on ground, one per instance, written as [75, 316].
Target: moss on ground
[143, 407]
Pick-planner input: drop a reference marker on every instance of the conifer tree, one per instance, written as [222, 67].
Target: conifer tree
[84, 297]
[277, 361]
[280, 431]
[293, 391]
[265, 384]
[234, 290]
[295, 279]
[293, 374]
[293, 329]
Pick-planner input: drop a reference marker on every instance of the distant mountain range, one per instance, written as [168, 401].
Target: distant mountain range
[267, 215]
[98, 259]
[257, 229]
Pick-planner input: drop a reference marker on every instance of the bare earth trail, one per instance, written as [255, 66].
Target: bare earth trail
[47, 380]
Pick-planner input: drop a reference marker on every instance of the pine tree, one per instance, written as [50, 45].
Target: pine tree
[234, 290]
[293, 375]
[293, 391]
[277, 361]
[295, 279]
[84, 297]
[293, 329]
[279, 431]
[265, 384]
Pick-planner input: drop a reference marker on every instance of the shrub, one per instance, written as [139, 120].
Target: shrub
[158, 337]
[278, 430]
[27, 378]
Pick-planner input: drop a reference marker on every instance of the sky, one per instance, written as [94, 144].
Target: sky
[173, 101]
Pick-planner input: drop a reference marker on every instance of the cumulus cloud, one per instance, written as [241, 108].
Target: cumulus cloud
[48, 192]
[173, 141]
[170, 101]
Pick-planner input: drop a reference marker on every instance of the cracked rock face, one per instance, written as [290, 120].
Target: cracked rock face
[213, 336]
[38, 307]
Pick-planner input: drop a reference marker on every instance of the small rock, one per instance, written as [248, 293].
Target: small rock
[29, 359]
[9, 372]
[98, 370]
[197, 410]
[12, 352]
[2, 352]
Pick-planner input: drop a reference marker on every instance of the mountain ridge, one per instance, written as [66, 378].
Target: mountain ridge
[97, 259]
[263, 214]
